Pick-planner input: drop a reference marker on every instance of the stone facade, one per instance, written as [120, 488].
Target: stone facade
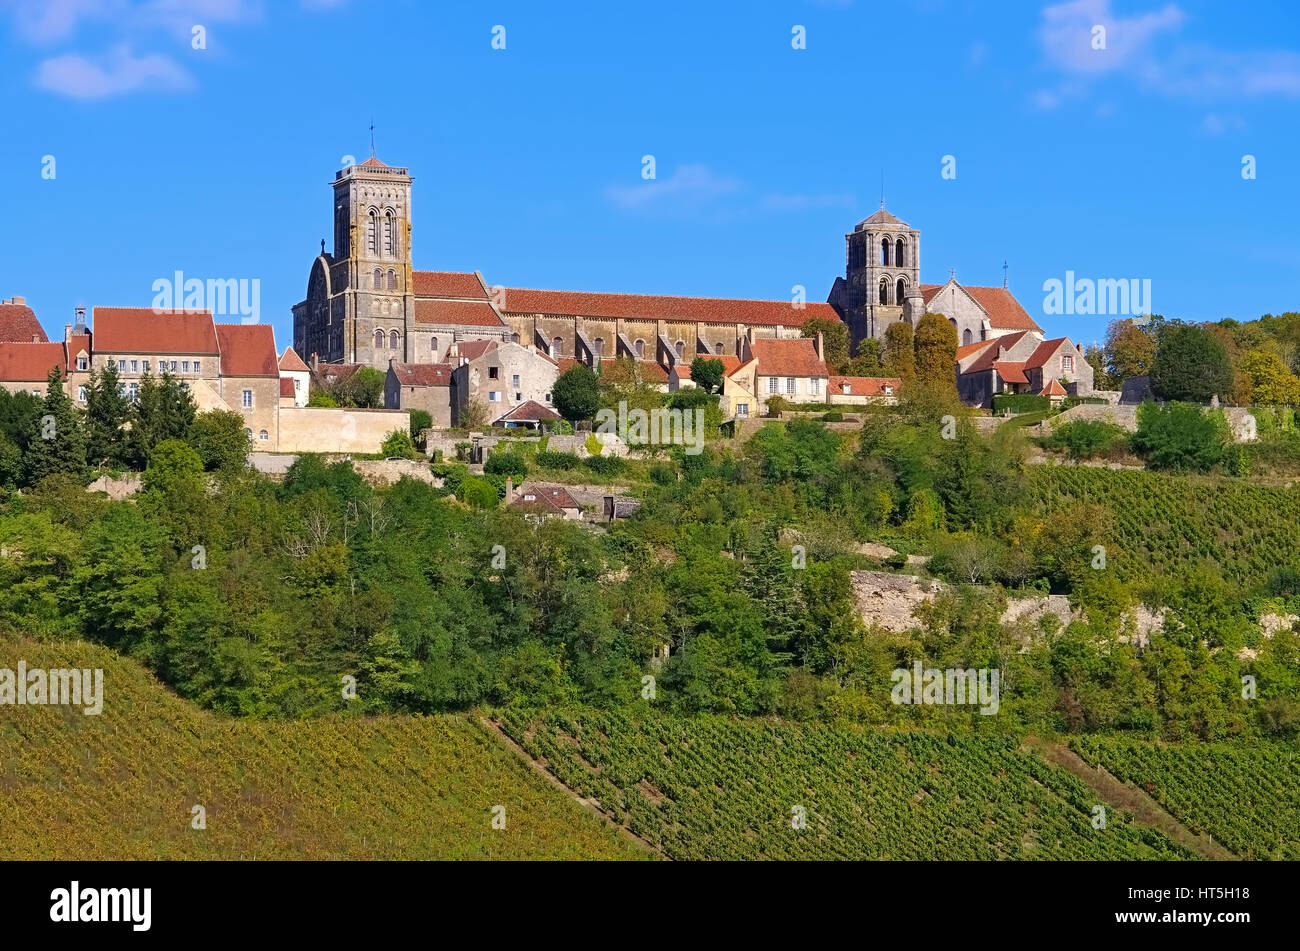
[501, 377]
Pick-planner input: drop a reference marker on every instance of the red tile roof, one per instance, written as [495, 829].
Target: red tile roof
[456, 312]
[143, 330]
[729, 363]
[1005, 312]
[290, 362]
[1011, 371]
[373, 162]
[247, 350]
[30, 362]
[987, 358]
[553, 496]
[651, 372]
[796, 357]
[967, 349]
[422, 374]
[286, 387]
[1045, 351]
[330, 373]
[18, 324]
[530, 411]
[862, 385]
[448, 284]
[1053, 388]
[472, 349]
[520, 300]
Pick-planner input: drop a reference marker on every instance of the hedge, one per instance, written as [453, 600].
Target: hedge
[1020, 403]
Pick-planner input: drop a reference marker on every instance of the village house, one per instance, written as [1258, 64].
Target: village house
[426, 386]
[499, 378]
[298, 374]
[543, 499]
[1022, 362]
[863, 390]
[795, 369]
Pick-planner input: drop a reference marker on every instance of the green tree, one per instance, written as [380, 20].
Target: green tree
[163, 409]
[57, 443]
[1191, 365]
[1095, 357]
[421, 420]
[900, 353]
[1129, 351]
[504, 462]
[835, 341]
[1180, 436]
[107, 411]
[398, 444]
[1271, 382]
[221, 440]
[706, 373]
[936, 353]
[577, 393]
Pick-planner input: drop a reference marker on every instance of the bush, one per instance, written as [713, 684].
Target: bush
[399, 444]
[478, 493]
[604, 465]
[594, 445]
[420, 421]
[1087, 438]
[1020, 403]
[557, 460]
[506, 463]
[776, 405]
[661, 473]
[1180, 436]
[835, 416]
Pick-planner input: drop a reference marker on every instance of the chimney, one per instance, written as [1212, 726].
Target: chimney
[67, 333]
[315, 360]
[510, 488]
[18, 300]
[36, 338]
[821, 352]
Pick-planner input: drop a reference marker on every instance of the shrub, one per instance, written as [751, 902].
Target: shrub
[1020, 403]
[421, 420]
[835, 416]
[1087, 438]
[775, 406]
[604, 465]
[661, 473]
[478, 493]
[506, 463]
[557, 460]
[398, 443]
[594, 445]
[1180, 436]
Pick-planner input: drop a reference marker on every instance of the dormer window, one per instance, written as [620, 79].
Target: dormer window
[82, 362]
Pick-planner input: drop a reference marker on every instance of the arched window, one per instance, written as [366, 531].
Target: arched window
[639, 347]
[717, 348]
[433, 346]
[388, 232]
[884, 290]
[600, 347]
[884, 251]
[556, 346]
[379, 339]
[264, 435]
[900, 292]
[681, 349]
[372, 234]
[248, 432]
[378, 279]
[392, 340]
[392, 279]
[900, 254]
[953, 322]
[966, 337]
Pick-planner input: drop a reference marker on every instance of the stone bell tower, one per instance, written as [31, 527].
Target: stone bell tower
[882, 281]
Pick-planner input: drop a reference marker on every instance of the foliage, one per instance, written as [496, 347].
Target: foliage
[900, 356]
[1087, 438]
[221, 440]
[399, 444]
[835, 341]
[935, 345]
[1129, 352]
[1191, 364]
[107, 410]
[576, 393]
[1020, 403]
[56, 442]
[421, 419]
[506, 463]
[557, 460]
[706, 373]
[1271, 382]
[604, 465]
[1180, 436]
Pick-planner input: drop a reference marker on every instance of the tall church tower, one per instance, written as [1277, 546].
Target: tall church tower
[882, 276]
[364, 288]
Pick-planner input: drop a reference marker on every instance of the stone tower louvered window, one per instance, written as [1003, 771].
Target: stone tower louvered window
[392, 279]
[884, 252]
[900, 254]
[378, 279]
[372, 233]
[884, 290]
[388, 232]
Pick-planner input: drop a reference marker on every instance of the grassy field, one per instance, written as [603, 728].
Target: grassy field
[121, 785]
[717, 788]
[1245, 796]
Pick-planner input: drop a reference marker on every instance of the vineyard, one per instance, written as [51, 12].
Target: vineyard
[710, 787]
[1246, 797]
[1167, 524]
[121, 785]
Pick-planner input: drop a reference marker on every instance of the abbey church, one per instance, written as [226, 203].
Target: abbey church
[367, 305]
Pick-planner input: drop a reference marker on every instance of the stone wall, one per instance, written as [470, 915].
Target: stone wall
[322, 429]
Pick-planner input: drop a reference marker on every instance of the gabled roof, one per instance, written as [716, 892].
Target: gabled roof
[966, 350]
[530, 411]
[330, 373]
[729, 364]
[1004, 311]
[1053, 388]
[144, 330]
[881, 217]
[373, 162]
[989, 356]
[520, 300]
[795, 357]
[434, 310]
[862, 385]
[247, 350]
[30, 362]
[18, 324]
[448, 284]
[422, 374]
[552, 496]
[286, 387]
[290, 362]
[1045, 351]
[472, 349]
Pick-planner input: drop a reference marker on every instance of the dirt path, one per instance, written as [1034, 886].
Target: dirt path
[591, 805]
[1130, 798]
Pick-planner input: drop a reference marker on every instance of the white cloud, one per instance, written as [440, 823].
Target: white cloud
[688, 188]
[1144, 48]
[114, 74]
[1214, 124]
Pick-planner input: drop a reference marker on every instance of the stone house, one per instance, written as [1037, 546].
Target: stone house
[297, 373]
[792, 369]
[499, 376]
[249, 380]
[862, 390]
[426, 386]
[1021, 362]
[543, 499]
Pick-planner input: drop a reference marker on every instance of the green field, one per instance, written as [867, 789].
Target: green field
[711, 787]
[121, 785]
[1245, 796]
[1164, 524]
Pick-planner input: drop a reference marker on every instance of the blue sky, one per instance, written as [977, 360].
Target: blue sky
[1117, 163]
